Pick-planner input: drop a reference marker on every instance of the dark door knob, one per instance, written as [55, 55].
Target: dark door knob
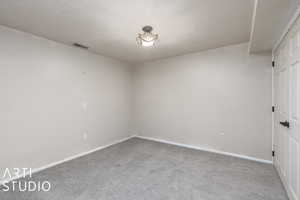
[285, 124]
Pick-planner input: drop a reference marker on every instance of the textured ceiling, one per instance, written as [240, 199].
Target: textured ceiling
[109, 27]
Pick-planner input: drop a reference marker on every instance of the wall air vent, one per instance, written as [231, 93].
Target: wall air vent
[80, 46]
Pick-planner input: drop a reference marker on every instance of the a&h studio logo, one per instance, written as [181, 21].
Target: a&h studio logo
[22, 184]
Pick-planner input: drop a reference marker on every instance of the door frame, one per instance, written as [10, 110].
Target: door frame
[290, 24]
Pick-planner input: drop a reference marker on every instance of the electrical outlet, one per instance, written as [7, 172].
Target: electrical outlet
[85, 135]
[222, 133]
[84, 106]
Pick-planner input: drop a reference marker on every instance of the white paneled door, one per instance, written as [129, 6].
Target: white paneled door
[287, 114]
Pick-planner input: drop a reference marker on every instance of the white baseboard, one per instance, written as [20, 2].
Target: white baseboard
[35, 170]
[207, 149]
[289, 193]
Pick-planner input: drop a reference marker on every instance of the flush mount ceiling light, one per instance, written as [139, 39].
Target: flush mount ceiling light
[147, 39]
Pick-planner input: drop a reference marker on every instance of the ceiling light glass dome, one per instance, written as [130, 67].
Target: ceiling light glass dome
[147, 39]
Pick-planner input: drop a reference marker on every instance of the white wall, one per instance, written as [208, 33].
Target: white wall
[51, 94]
[191, 99]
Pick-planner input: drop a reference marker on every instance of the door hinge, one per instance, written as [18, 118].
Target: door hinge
[273, 108]
[273, 153]
[273, 63]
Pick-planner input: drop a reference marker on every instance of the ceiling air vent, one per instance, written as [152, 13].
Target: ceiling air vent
[80, 46]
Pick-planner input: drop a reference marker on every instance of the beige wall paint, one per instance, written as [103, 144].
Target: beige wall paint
[52, 94]
[218, 99]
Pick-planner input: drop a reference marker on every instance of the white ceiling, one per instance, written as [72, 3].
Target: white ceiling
[109, 27]
[270, 19]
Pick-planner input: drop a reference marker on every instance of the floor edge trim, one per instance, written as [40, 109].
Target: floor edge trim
[38, 169]
[206, 149]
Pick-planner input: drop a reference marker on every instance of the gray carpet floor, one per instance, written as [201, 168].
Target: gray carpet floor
[145, 170]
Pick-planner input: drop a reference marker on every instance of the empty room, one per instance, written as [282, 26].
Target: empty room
[150, 100]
